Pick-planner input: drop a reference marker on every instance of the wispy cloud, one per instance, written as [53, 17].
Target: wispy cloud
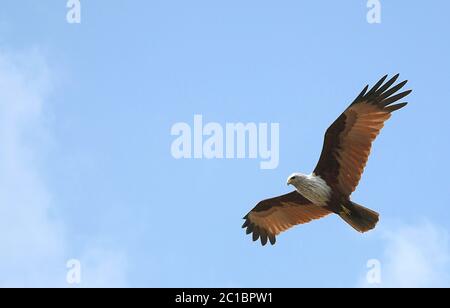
[32, 241]
[415, 256]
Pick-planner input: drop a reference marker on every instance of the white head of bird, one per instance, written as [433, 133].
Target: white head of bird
[295, 179]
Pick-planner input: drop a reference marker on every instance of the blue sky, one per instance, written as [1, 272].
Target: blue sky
[87, 169]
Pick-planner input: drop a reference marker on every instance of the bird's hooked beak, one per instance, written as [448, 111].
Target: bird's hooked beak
[289, 182]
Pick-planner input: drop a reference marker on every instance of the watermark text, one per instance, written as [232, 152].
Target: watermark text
[233, 140]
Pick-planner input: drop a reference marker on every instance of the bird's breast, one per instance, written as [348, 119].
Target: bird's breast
[315, 189]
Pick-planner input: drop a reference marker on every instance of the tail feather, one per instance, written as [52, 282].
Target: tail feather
[360, 218]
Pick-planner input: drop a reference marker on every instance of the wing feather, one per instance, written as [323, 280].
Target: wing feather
[349, 139]
[272, 216]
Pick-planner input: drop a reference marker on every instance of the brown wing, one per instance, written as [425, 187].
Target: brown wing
[270, 217]
[348, 140]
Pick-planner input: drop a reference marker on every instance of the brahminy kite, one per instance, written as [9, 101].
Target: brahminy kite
[327, 189]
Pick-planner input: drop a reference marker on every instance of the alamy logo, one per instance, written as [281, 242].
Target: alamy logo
[73, 272]
[74, 14]
[374, 13]
[234, 140]
[374, 272]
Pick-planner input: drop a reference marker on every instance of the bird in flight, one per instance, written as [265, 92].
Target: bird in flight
[327, 189]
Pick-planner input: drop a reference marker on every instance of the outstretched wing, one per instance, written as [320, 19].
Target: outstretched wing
[272, 216]
[348, 140]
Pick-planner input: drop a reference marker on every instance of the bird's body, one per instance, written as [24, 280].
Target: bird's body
[327, 189]
[312, 187]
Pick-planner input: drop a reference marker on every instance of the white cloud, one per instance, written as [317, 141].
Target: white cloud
[32, 242]
[415, 256]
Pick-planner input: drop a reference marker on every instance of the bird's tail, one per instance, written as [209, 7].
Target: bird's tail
[360, 218]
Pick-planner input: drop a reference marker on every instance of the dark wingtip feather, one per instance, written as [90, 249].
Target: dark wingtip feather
[272, 239]
[263, 236]
[392, 90]
[250, 228]
[259, 233]
[381, 81]
[394, 98]
[382, 93]
[360, 95]
[377, 85]
[364, 91]
[255, 234]
[379, 91]
[386, 86]
[395, 77]
[246, 223]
